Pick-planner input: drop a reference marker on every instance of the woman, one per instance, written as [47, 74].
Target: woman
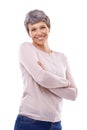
[46, 77]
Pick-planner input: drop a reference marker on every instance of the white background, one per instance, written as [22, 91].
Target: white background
[68, 35]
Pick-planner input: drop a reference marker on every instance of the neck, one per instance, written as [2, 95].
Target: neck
[44, 47]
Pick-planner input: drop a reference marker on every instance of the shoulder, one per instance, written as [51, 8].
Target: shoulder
[60, 54]
[25, 46]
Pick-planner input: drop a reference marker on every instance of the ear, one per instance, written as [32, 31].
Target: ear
[29, 34]
[49, 29]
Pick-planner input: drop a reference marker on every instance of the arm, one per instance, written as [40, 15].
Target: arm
[70, 92]
[66, 93]
[28, 59]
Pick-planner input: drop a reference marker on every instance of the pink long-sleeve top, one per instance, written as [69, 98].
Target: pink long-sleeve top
[44, 90]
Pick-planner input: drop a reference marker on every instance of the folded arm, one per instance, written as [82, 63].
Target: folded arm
[69, 92]
[66, 93]
[28, 59]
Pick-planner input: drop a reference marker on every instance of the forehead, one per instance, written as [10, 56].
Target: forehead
[37, 24]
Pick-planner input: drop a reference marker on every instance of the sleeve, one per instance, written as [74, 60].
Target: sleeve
[65, 92]
[28, 58]
[70, 92]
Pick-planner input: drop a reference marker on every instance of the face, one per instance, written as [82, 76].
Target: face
[38, 32]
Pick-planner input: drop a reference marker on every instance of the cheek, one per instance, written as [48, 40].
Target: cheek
[31, 35]
[45, 32]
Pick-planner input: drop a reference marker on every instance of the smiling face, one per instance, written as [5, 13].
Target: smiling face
[39, 33]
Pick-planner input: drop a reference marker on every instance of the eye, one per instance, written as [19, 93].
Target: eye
[33, 30]
[43, 27]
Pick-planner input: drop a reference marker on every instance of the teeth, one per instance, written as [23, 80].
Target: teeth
[40, 38]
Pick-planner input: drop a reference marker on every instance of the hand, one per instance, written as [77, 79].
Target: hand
[68, 86]
[42, 66]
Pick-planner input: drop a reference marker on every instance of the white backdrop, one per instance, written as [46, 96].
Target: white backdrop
[68, 35]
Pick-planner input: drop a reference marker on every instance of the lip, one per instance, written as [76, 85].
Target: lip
[40, 38]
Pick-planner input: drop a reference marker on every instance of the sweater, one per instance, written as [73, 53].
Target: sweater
[44, 90]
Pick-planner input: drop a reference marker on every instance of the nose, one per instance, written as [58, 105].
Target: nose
[39, 32]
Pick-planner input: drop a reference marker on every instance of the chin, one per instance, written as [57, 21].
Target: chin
[40, 43]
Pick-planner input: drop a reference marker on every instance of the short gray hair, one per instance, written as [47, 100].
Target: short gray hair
[35, 16]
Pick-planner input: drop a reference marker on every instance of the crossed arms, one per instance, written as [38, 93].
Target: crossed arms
[61, 87]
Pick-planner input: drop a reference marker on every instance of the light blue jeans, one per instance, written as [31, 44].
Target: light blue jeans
[25, 123]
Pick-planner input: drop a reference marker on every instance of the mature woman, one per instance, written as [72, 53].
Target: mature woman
[46, 77]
